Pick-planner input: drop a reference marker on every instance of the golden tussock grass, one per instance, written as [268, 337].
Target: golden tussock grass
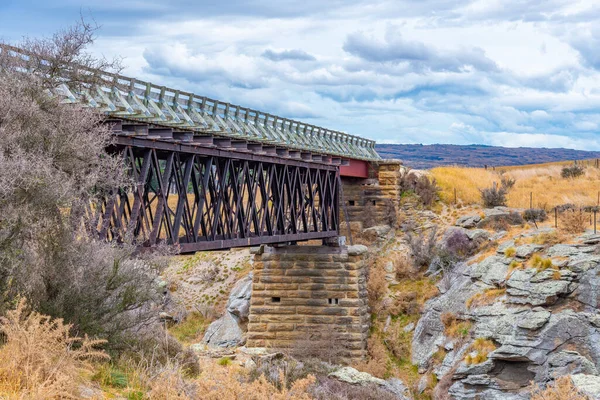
[486, 297]
[455, 327]
[562, 389]
[543, 180]
[549, 238]
[479, 350]
[40, 360]
[538, 262]
[510, 252]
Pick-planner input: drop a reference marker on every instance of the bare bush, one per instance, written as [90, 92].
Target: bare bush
[458, 245]
[422, 246]
[494, 196]
[331, 389]
[53, 165]
[61, 58]
[376, 284]
[535, 215]
[573, 221]
[507, 182]
[573, 171]
[502, 222]
[424, 187]
[427, 190]
[369, 215]
[390, 214]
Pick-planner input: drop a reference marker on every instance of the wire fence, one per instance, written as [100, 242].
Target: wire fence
[586, 212]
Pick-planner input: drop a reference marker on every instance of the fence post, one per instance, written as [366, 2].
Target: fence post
[595, 221]
[455, 195]
[530, 199]
[556, 217]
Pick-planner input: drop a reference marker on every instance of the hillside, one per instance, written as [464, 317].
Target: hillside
[539, 185]
[435, 155]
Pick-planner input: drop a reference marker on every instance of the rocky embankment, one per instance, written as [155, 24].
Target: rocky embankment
[522, 316]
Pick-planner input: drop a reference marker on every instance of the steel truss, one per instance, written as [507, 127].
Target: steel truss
[203, 199]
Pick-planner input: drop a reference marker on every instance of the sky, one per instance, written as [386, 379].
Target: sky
[497, 72]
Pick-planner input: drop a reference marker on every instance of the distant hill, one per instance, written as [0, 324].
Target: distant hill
[474, 155]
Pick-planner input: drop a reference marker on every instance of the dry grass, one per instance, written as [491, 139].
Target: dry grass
[486, 297]
[548, 238]
[562, 389]
[455, 327]
[218, 383]
[510, 252]
[540, 263]
[543, 180]
[40, 360]
[190, 329]
[479, 350]
[514, 265]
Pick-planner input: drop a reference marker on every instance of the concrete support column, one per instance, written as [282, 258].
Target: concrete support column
[310, 299]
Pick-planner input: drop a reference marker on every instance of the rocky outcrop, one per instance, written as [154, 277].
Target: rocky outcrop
[468, 221]
[355, 377]
[541, 324]
[229, 330]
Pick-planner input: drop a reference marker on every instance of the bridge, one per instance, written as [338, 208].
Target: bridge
[208, 175]
[213, 175]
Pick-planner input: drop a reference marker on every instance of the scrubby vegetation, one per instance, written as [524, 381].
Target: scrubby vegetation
[573, 221]
[573, 171]
[543, 182]
[494, 196]
[561, 389]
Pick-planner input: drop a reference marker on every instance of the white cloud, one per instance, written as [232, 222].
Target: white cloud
[502, 72]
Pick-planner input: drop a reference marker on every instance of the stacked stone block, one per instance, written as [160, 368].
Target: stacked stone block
[373, 196]
[312, 298]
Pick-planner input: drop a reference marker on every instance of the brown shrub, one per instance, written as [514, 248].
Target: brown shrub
[548, 238]
[231, 382]
[398, 341]
[377, 359]
[331, 389]
[376, 284]
[170, 384]
[406, 303]
[403, 267]
[562, 389]
[40, 360]
[573, 221]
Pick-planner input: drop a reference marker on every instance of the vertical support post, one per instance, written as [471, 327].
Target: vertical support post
[163, 187]
[556, 217]
[341, 191]
[530, 199]
[454, 195]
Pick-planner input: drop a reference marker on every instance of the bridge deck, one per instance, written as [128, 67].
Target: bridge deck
[217, 195]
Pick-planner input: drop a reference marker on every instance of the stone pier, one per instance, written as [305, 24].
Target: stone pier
[373, 198]
[310, 299]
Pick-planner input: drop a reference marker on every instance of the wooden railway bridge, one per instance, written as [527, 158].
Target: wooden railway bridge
[213, 175]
